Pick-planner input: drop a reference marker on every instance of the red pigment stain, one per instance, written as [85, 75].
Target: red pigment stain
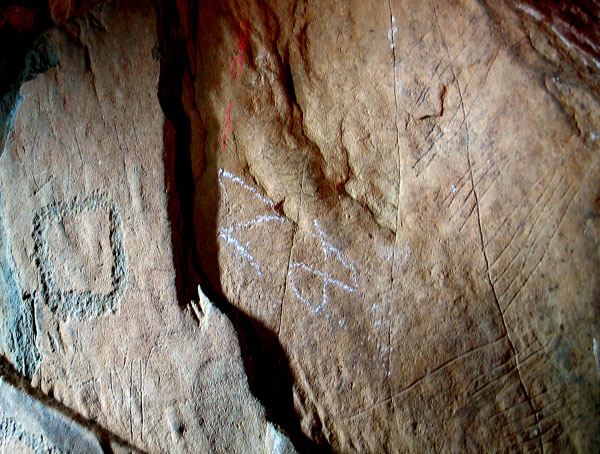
[243, 45]
[228, 125]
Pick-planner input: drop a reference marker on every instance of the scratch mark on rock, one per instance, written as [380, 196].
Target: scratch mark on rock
[597, 356]
[485, 256]
[227, 125]
[418, 380]
[328, 249]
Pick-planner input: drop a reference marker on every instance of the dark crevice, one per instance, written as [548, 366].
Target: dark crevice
[289, 83]
[24, 52]
[266, 365]
[22, 23]
[15, 69]
[177, 138]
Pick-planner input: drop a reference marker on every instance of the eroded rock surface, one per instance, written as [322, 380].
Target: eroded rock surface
[394, 205]
[29, 426]
[406, 204]
[89, 305]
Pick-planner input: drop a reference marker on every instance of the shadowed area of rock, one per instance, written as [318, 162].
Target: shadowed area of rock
[268, 226]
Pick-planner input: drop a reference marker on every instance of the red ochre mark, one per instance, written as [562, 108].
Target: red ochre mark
[227, 125]
[243, 44]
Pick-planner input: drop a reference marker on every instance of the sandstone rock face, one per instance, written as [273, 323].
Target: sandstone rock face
[392, 209]
[29, 426]
[430, 275]
[89, 306]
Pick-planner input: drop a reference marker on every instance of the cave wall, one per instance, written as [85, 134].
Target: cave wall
[301, 226]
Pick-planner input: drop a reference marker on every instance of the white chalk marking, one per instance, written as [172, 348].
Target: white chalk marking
[226, 233]
[255, 221]
[243, 251]
[327, 248]
[530, 11]
[597, 356]
[238, 180]
[326, 279]
[392, 32]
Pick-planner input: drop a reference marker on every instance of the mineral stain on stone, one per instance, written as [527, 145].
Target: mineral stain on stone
[17, 330]
[39, 59]
[440, 176]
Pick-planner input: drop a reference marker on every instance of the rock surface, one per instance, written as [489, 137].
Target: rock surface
[33, 423]
[406, 204]
[89, 305]
[29, 426]
[393, 206]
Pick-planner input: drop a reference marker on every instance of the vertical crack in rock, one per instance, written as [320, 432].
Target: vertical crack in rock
[399, 177]
[265, 362]
[480, 227]
[177, 137]
[289, 260]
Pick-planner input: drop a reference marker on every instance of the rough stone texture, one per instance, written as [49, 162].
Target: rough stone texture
[89, 305]
[394, 205]
[406, 204]
[23, 55]
[27, 426]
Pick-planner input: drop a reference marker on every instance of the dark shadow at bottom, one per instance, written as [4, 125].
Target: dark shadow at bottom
[265, 361]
